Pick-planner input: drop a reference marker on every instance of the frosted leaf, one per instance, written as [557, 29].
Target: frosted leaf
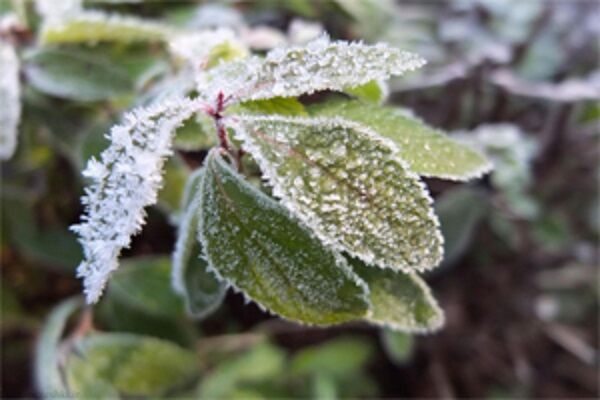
[399, 301]
[358, 195]
[190, 276]
[126, 179]
[10, 99]
[253, 242]
[96, 26]
[320, 65]
[197, 47]
[428, 151]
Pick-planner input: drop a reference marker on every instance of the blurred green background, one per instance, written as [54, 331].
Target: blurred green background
[519, 79]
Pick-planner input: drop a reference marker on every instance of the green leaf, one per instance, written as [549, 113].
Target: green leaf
[130, 364]
[349, 186]
[176, 173]
[427, 151]
[144, 284]
[120, 315]
[397, 345]
[254, 243]
[373, 92]
[48, 366]
[261, 363]
[97, 26]
[278, 105]
[402, 302]
[341, 357]
[324, 387]
[75, 75]
[459, 211]
[196, 134]
[52, 245]
[191, 278]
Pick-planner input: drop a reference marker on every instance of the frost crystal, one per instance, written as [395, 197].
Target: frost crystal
[10, 102]
[126, 179]
[349, 185]
[319, 65]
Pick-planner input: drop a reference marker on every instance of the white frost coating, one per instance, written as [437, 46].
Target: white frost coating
[319, 65]
[10, 102]
[126, 179]
[349, 185]
[196, 47]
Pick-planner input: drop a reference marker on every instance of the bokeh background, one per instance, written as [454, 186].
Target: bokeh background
[519, 79]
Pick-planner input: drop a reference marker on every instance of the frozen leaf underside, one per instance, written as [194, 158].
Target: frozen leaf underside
[349, 186]
[201, 290]
[320, 65]
[10, 102]
[428, 151]
[125, 181]
[399, 301]
[252, 241]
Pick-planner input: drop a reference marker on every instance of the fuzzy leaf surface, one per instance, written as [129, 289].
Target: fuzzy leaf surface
[254, 243]
[199, 287]
[399, 301]
[349, 186]
[428, 151]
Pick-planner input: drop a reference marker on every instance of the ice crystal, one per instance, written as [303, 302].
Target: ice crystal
[126, 179]
[349, 185]
[319, 65]
[10, 102]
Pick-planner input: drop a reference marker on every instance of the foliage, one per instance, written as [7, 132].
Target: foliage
[301, 172]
